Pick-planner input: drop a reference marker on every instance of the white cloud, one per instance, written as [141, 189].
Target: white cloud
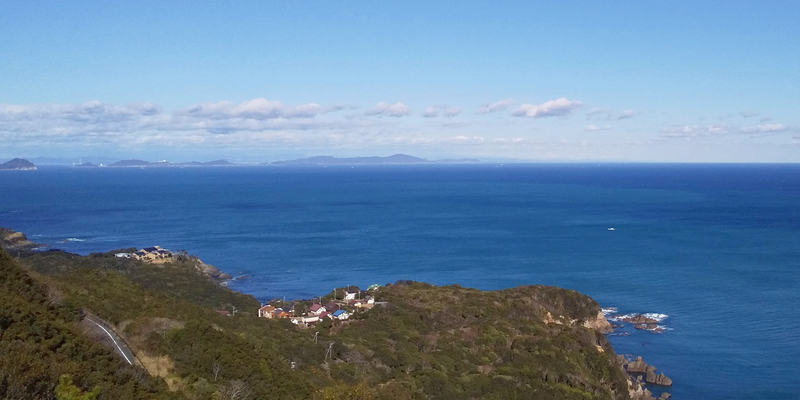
[597, 110]
[516, 140]
[431, 112]
[769, 128]
[257, 109]
[748, 114]
[552, 108]
[452, 140]
[451, 112]
[445, 110]
[453, 125]
[627, 114]
[390, 110]
[494, 107]
[95, 122]
[687, 131]
[596, 128]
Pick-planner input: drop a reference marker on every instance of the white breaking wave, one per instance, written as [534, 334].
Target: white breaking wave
[621, 317]
[656, 316]
[663, 328]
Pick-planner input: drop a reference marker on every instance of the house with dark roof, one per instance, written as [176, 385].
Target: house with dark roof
[317, 309]
[154, 255]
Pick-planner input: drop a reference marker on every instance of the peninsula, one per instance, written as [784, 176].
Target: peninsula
[151, 323]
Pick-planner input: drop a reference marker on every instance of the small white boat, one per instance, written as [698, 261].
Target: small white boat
[611, 229]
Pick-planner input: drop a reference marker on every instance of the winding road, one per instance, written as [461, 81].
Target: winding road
[119, 345]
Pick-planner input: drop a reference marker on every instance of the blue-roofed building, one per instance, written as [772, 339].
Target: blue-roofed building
[341, 315]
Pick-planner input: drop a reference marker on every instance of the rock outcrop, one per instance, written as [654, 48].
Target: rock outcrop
[659, 379]
[637, 367]
[210, 270]
[599, 323]
[13, 240]
[640, 320]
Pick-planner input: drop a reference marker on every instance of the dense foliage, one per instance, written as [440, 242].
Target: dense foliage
[452, 342]
[419, 342]
[40, 341]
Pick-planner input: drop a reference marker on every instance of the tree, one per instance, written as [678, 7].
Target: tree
[67, 391]
[215, 369]
[235, 390]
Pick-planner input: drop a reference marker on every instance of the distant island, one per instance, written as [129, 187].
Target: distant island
[18, 164]
[142, 163]
[373, 160]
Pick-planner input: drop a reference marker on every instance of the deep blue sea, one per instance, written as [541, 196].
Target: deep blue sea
[716, 248]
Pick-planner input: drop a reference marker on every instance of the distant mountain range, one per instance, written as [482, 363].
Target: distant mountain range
[142, 163]
[404, 159]
[18, 164]
[374, 160]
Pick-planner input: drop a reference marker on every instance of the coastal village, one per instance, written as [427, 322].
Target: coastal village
[341, 308]
[344, 303]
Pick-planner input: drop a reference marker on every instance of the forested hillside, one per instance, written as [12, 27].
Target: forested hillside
[419, 342]
[41, 341]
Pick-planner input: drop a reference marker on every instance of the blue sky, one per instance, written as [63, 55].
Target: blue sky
[260, 81]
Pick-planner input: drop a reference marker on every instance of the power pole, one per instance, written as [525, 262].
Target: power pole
[329, 353]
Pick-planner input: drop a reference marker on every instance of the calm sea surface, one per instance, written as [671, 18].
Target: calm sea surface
[714, 247]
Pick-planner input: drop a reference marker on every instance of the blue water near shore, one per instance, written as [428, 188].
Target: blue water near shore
[714, 247]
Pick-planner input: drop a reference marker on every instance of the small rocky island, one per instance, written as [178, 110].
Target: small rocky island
[18, 164]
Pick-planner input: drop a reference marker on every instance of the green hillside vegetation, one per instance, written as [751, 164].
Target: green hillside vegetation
[40, 341]
[424, 342]
[453, 342]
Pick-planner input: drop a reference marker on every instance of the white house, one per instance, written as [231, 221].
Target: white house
[317, 309]
[341, 315]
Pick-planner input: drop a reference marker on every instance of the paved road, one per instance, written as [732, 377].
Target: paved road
[119, 345]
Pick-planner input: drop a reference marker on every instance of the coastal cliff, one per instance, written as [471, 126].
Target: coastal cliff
[14, 241]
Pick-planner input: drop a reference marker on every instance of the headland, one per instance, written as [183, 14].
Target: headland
[191, 336]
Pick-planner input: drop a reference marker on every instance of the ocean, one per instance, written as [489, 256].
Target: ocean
[715, 248]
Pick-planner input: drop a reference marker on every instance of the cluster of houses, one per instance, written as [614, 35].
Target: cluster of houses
[333, 310]
[154, 255]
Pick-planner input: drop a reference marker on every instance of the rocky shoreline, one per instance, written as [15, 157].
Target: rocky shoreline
[639, 373]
